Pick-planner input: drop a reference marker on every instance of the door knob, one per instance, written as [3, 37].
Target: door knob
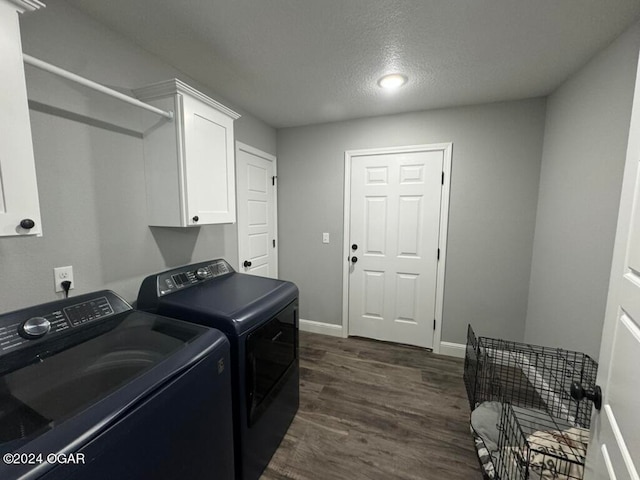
[196, 218]
[594, 394]
[354, 259]
[354, 247]
[27, 224]
[246, 264]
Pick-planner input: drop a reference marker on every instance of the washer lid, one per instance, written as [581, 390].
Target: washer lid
[80, 385]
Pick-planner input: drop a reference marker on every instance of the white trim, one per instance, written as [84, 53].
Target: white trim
[174, 86]
[26, 5]
[271, 158]
[254, 151]
[457, 350]
[446, 149]
[346, 248]
[321, 328]
[442, 243]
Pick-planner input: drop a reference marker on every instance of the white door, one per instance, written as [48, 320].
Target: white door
[614, 449]
[257, 212]
[394, 237]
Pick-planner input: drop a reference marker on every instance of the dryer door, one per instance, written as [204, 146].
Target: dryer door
[272, 351]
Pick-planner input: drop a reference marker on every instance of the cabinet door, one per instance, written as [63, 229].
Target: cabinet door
[209, 164]
[18, 187]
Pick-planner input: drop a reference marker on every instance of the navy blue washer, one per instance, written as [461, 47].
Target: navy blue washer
[133, 395]
[260, 318]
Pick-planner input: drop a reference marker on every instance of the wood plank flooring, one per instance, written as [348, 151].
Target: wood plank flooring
[373, 410]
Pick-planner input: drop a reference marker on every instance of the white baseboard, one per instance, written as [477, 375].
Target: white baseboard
[320, 327]
[453, 349]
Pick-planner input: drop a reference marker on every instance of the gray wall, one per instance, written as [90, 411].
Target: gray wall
[90, 168]
[585, 141]
[494, 187]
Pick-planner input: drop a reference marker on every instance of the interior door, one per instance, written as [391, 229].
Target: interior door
[614, 450]
[257, 212]
[394, 232]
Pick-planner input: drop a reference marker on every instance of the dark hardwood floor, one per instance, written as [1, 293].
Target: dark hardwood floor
[373, 410]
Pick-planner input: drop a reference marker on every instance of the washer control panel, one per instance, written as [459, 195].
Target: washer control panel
[22, 327]
[85, 312]
[190, 275]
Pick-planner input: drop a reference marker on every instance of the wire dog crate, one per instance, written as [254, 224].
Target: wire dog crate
[541, 432]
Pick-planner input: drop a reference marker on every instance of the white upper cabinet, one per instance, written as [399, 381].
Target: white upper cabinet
[189, 162]
[19, 205]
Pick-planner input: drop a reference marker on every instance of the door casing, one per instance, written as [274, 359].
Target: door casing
[446, 148]
[243, 147]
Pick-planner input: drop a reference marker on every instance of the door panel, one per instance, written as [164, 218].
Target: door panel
[373, 295]
[395, 221]
[257, 213]
[409, 226]
[411, 174]
[258, 176]
[614, 450]
[406, 294]
[376, 225]
[257, 221]
[258, 246]
[377, 175]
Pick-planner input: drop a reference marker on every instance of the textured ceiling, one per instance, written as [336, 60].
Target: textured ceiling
[296, 62]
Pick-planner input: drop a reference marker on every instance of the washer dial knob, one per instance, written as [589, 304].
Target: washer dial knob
[202, 273]
[35, 327]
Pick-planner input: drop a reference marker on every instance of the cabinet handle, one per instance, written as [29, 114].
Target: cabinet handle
[196, 218]
[246, 264]
[27, 224]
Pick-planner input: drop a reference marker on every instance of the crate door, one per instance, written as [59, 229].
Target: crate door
[614, 450]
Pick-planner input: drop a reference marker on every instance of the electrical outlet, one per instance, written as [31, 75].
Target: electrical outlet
[60, 274]
[325, 237]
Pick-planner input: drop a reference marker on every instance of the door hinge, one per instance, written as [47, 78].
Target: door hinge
[274, 243]
[442, 178]
[434, 323]
[438, 254]
[273, 180]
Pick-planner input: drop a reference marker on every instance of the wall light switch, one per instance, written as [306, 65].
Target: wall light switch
[325, 237]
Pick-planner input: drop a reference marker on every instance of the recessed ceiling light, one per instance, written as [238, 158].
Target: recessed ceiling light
[392, 81]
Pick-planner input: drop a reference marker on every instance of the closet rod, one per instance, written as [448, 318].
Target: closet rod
[28, 59]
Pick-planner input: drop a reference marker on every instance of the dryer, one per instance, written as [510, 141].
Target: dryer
[92, 389]
[260, 318]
